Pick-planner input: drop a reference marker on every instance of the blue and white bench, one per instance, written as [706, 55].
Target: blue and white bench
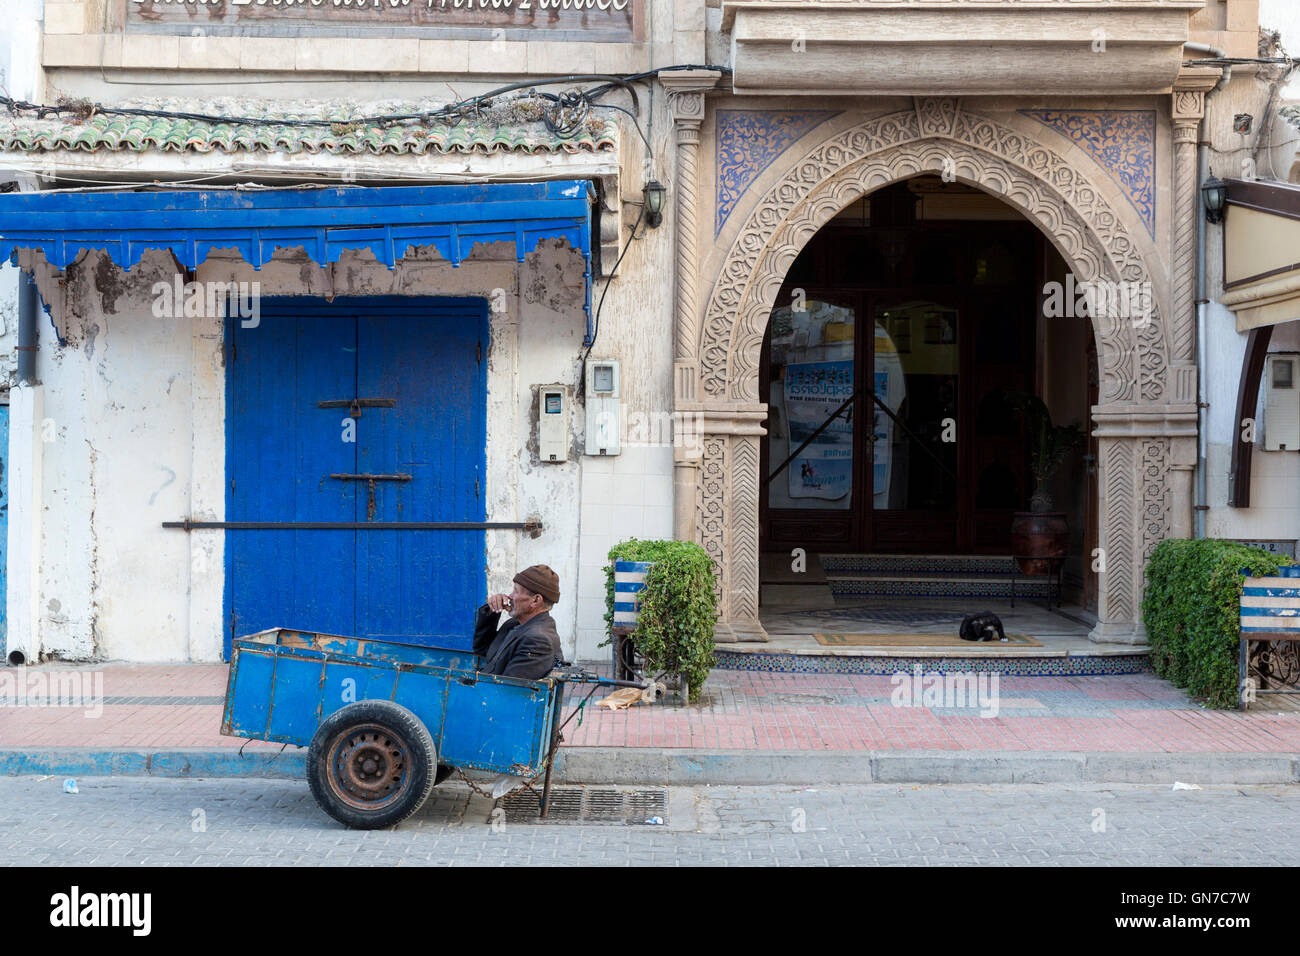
[1270, 611]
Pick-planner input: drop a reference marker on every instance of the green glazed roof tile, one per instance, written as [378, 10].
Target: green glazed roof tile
[511, 127]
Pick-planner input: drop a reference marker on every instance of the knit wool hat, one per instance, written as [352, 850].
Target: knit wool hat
[540, 580]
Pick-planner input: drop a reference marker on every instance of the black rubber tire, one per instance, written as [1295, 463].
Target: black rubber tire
[371, 764]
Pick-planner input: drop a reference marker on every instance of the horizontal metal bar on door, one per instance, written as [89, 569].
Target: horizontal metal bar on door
[188, 525]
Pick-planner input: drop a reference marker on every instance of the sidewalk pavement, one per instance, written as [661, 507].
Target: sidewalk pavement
[749, 727]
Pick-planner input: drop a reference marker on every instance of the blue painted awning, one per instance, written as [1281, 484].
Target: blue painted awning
[389, 221]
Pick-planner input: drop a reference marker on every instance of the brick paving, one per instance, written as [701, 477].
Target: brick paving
[740, 710]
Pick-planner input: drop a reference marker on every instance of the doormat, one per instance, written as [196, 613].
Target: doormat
[921, 640]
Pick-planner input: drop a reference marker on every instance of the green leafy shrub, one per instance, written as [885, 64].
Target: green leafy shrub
[1191, 612]
[677, 610]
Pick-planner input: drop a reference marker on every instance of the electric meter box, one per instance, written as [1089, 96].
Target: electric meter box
[553, 423]
[1282, 402]
[603, 418]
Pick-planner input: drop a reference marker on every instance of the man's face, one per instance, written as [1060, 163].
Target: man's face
[523, 601]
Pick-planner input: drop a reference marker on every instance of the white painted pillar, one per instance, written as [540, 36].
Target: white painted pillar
[23, 79]
[22, 603]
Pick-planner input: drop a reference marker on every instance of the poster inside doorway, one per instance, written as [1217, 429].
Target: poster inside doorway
[813, 391]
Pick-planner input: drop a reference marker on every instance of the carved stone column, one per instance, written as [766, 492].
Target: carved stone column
[1139, 449]
[686, 101]
[1188, 105]
[726, 510]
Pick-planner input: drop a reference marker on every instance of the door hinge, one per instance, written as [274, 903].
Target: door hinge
[478, 352]
[475, 487]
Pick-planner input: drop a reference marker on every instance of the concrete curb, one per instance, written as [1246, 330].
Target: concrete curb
[592, 765]
[108, 762]
[682, 767]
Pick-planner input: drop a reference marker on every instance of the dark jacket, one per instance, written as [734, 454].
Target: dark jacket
[527, 651]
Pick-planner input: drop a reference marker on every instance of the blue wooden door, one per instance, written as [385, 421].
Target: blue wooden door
[417, 367]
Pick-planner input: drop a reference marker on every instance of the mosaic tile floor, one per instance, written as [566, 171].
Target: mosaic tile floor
[923, 615]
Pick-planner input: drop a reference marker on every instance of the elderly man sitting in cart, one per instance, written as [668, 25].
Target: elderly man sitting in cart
[527, 646]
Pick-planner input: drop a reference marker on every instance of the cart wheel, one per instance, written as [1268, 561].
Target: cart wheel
[371, 764]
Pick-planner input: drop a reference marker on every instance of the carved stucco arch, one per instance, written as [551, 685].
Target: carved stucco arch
[1047, 189]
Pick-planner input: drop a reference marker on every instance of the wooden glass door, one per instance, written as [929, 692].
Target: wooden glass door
[916, 468]
[815, 454]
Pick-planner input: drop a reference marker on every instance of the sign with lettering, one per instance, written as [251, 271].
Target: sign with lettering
[589, 20]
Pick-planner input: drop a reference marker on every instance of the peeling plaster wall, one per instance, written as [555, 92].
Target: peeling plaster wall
[136, 421]
[9, 279]
[116, 439]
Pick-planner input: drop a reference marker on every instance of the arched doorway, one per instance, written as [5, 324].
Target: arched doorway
[899, 343]
[1145, 419]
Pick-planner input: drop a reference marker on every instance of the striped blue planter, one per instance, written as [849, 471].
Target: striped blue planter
[629, 581]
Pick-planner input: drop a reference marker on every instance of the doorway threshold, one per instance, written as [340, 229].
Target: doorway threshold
[888, 635]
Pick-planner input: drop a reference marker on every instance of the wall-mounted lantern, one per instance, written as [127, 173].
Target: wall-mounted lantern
[1214, 193]
[655, 192]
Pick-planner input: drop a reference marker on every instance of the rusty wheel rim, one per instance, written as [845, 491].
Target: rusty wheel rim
[368, 766]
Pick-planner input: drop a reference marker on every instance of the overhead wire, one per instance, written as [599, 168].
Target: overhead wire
[564, 115]
[609, 280]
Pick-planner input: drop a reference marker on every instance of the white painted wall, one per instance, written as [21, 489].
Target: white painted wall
[116, 448]
[135, 410]
[630, 495]
[1274, 512]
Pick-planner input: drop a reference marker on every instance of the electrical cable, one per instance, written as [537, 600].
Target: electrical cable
[635, 123]
[1237, 60]
[609, 279]
[458, 110]
[564, 115]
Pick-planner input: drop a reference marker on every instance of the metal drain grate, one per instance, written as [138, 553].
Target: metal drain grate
[579, 805]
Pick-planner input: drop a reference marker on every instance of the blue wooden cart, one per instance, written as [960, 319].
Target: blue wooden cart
[385, 722]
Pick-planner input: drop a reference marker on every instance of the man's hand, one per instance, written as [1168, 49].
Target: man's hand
[498, 602]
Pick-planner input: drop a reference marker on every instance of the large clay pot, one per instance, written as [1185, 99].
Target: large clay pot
[1039, 535]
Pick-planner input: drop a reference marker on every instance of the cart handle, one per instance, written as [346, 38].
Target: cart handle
[582, 677]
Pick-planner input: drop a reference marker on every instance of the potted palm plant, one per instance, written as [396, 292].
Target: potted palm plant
[1041, 533]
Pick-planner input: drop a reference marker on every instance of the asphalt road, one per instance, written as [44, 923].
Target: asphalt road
[128, 821]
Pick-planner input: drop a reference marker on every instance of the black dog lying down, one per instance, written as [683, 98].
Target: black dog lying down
[980, 627]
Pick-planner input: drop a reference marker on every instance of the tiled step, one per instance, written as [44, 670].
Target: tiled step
[936, 585]
[964, 565]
